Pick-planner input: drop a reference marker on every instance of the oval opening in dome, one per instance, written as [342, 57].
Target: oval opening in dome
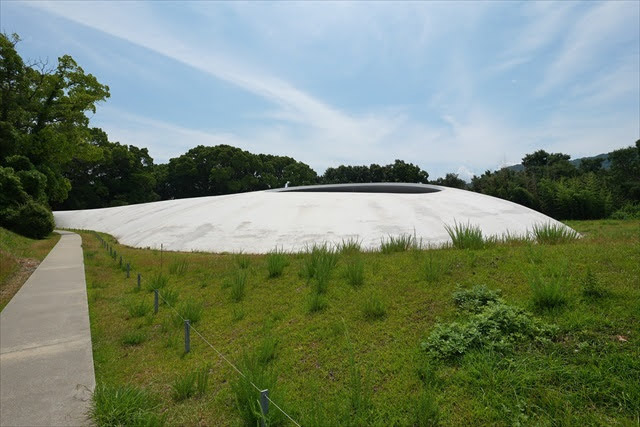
[388, 188]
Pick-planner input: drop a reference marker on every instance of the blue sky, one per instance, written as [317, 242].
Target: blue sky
[451, 86]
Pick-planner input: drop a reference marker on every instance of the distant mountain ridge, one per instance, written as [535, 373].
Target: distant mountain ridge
[606, 164]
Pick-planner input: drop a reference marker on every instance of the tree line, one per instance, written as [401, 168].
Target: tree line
[51, 158]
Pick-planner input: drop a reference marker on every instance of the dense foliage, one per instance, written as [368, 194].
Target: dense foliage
[51, 157]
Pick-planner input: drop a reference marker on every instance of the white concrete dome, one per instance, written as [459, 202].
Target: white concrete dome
[293, 218]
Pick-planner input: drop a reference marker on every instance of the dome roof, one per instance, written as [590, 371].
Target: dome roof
[293, 218]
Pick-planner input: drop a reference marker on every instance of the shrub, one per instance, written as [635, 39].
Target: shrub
[191, 311]
[401, 243]
[465, 236]
[138, 308]
[238, 285]
[276, 262]
[134, 338]
[354, 272]
[124, 406]
[475, 299]
[373, 307]
[178, 267]
[554, 233]
[497, 327]
[548, 292]
[591, 287]
[158, 281]
[31, 219]
[184, 386]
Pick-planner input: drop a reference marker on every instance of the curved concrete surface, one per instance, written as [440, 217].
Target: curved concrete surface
[259, 221]
[46, 360]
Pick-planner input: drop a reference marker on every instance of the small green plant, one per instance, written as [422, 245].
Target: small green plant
[134, 338]
[591, 287]
[202, 380]
[237, 314]
[553, 233]
[242, 261]
[316, 302]
[427, 413]
[138, 308]
[190, 310]
[373, 307]
[401, 243]
[276, 262]
[124, 406]
[183, 386]
[475, 299]
[548, 292]
[354, 272]
[158, 281]
[350, 246]
[169, 296]
[238, 285]
[359, 387]
[247, 397]
[465, 236]
[178, 267]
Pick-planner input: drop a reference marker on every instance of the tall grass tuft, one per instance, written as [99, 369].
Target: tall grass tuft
[134, 338]
[242, 261]
[553, 234]
[324, 267]
[158, 281]
[316, 303]
[138, 308]
[432, 269]
[267, 349]
[548, 292]
[238, 285]
[276, 262]
[465, 236]
[202, 380]
[591, 287]
[169, 296]
[178, 267]
[354, 272]
[191, 311]
[427, 413]
[124, 406]
[183, 387]
[373, 307]
[401, 243]
[350, 246]
[359, 387]
[318, 254]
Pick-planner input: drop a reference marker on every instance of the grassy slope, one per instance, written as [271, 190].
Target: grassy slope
[13, 249]
[587, 375]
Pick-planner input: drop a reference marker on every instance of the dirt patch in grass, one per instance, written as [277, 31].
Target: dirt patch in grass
[8, 288]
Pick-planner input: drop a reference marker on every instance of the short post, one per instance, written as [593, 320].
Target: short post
[120, 262]
[187, 337]
[138, 281]
[128, 268]
[264, 406]
[155, 301]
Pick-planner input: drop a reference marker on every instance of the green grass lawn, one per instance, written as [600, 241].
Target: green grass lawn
[18, 257]
[353, 345]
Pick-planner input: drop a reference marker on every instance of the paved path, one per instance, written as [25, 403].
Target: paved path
[46, 362]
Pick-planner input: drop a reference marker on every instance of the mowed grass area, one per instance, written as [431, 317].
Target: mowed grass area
[353, 343]
[19, 256]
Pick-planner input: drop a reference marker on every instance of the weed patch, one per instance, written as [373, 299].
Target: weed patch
[548, 292]
[465, 236]
[553, 233]
[124, 406]
[400, 243]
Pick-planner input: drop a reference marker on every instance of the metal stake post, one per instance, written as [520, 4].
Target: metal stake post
[155, 301]
[138, 281]
[264, 406]
[187, 337]
[120, 262]
[128, 268]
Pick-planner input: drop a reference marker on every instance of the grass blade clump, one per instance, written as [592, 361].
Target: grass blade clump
[124, 406]
[137, 308]
[316, 303]
[373, 307]
[276, 262]
[591, 287]
[169, 296]
[318, 254]
[178, 267]
[465, 236]
[553, 233]
[242, 261]
[267, 349]
[190, 310]
[401, 243]
[183, 387]
[158, 281]
[133, 338]
[238, 285]
[202, 380]
[432, 270]
[548, 292]
[350, 246]
[354, 272]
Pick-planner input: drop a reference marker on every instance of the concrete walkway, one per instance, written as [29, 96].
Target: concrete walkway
[46, 361]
